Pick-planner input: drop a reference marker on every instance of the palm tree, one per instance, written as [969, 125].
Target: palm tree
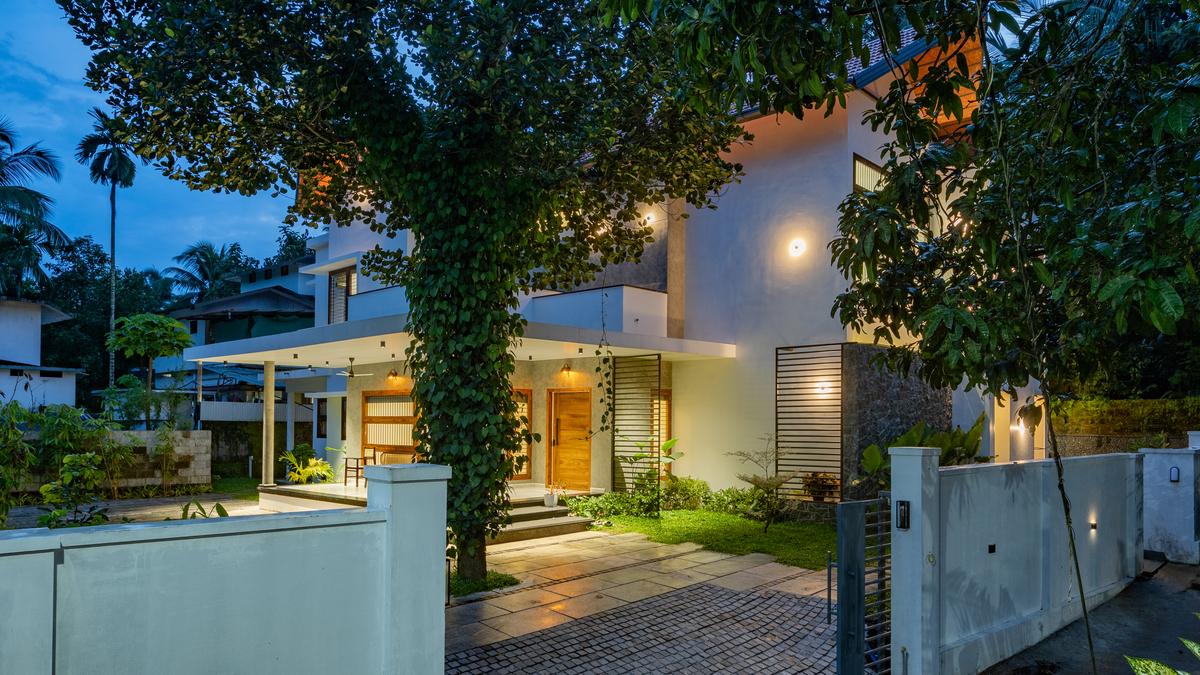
[206, 272]
[26, 232]
[109, 158]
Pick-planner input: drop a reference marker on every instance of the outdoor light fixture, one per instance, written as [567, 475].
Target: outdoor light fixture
[566, 369]
[382, 343]
[797, 247]
[295, 356]
[1093, 525]
[392, 374]
[581, 350]
[824, 388]
[1174, 474]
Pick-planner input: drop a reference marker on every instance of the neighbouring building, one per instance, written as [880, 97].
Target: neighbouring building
[23, 378]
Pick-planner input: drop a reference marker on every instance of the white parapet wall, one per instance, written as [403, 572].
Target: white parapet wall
[984, 569]
[344, 591]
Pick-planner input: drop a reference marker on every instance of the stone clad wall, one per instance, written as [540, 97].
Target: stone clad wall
[193, 459]
[879, 405]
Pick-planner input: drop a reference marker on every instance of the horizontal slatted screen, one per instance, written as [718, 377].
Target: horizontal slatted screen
[808, 420]
[388, 419]
[637, 386]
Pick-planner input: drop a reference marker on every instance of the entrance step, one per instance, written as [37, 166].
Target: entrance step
[541, 527]
[521, 514]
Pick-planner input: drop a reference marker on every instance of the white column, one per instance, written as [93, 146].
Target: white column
[916, 603]
[268, 434]
[414, 579]
[1171, 483]
[291, 419]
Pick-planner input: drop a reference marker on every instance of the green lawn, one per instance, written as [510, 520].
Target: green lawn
[800, 544]
[241, 487]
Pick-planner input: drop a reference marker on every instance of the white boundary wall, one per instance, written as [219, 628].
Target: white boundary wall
[984, 569]
[1172, 512]
[346, 591]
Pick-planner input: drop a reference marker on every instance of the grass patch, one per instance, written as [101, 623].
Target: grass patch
[240, 487]
[493, 581]
[799, 544]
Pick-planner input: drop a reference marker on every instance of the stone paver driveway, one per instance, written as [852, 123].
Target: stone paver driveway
[595, 602]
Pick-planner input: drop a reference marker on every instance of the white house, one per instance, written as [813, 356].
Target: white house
[23, 378]
[722, 334]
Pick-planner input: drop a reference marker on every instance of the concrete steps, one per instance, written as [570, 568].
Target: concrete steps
[541, 527]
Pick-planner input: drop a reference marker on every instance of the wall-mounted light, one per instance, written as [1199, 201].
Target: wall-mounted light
[1174, 474]
[824, 388]
[797, 247]
[392, 374]
[566, 369]
[1093, 525]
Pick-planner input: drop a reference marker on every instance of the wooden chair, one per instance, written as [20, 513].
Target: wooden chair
[356, 466]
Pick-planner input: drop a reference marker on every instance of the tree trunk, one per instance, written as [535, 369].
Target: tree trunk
[112, 280]
[1052, 438]
[472, 557]
[149, 389]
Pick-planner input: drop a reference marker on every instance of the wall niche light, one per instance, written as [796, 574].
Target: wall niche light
[797, 247]
[566, 369]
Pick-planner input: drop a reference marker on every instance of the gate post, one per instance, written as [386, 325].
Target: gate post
[916, 601]
[851, 618]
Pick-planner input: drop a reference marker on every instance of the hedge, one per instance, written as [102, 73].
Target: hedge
[1133, 416]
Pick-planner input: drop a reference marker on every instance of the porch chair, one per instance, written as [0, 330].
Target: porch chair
[355, 465]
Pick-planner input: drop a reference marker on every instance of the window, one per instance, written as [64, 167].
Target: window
[285, 270]
[192, 326]
[524, 401]
[52, 373]
[343, 283]
[268, 273]
[253, 277]
[17, 372]
[322, 418]
[867, 175]
[388, 418]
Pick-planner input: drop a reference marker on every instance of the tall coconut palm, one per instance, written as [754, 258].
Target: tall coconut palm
[26, 232]
[207, 272]
[109, 158]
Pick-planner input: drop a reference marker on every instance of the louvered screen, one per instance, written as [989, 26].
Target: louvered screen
[808, 420]
[637, 384]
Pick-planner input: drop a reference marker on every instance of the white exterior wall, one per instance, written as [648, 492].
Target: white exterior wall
[744, 287]
[20, 332]
[204, 596]
[36, 391]
[623, 309]
[970, 589]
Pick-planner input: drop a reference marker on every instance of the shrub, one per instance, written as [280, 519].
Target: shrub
[14, 455]
[72, 497]
[737, 501]
[303, 471]
[957, 447]
[684, 493]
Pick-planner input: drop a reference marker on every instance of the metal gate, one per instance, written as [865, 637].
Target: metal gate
[864, 565]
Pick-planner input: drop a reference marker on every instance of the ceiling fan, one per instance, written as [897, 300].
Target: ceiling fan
[349, 372]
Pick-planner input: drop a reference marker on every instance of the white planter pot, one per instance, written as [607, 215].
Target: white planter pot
[550, 500]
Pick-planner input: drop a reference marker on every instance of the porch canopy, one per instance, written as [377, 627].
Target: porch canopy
[382, 339]
[320, 350]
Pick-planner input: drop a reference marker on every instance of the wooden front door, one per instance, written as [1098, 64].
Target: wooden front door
[570, 439]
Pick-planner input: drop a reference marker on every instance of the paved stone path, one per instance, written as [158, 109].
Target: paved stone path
[594, 602]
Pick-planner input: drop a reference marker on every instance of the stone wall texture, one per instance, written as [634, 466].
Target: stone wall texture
[1074, 445]
[879, 405]
[193, 459]
[239, 440]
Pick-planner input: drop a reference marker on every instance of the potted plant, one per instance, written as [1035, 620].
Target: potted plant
[550, 499]
[818, 486]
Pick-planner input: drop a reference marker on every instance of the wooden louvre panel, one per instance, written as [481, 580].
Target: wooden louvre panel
[636, 392]
[388, 418]
[808, 420]
[524, 401]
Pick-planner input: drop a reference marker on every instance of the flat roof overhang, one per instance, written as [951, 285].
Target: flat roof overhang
[376, 340]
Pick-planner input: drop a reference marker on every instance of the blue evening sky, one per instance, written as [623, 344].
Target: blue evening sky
[43, 95]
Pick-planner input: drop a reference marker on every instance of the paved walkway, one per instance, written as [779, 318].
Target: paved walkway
[595, 602]
[159, 508]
